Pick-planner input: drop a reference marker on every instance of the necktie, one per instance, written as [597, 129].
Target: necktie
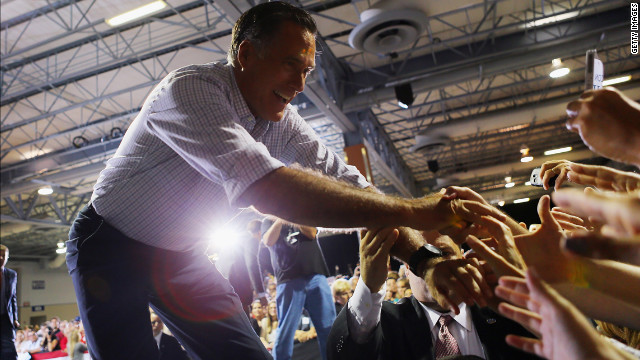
[446, 345]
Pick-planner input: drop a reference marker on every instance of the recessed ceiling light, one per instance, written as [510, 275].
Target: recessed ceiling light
[509, 185]
[45, 190]
[518, 201]
[137, 13]
[558, 151]
[501, 203]
[617, 80]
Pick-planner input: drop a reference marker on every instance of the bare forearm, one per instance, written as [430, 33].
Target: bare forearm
[271, 235]
[302, 198]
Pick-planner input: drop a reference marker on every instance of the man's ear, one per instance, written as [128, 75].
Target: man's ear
[246, 51]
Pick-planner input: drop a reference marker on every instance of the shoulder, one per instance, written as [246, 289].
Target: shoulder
[398, 311]
[197, 82]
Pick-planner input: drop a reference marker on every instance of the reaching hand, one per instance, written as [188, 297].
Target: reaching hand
[619, 211]
[599, 246]
[456, 281]
[565, 334]
[542, 248]
[552, 168]
[608, 122]
[604, 178]
[374, 255]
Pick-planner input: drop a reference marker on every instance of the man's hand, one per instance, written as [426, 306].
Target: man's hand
[549, 169]
[374, 255]
[604, 178]
[465, 193]
[565, 334]
[542, 248]
[599, 246]
[619, 211]
[456, 281]
[608, 122]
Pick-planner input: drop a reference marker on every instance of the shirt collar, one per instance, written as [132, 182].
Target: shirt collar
[463, 318]
[256, 126]
[158, 338]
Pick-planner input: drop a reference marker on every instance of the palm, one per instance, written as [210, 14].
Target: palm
[542, 249]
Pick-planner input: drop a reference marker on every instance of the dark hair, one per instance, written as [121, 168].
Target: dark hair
[261, 22]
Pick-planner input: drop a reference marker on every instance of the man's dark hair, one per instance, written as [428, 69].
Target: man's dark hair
[261, 22]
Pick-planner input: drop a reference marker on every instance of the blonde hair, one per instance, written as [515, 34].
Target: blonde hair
[623, 334]
[74, 338]
[340, 285]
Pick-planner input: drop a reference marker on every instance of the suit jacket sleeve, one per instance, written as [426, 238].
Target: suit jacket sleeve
[13, 299]
[340, 345]
[170, 349]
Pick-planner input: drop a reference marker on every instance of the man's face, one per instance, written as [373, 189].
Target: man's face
[270, 79]
[4, 257]
[54, 323]
[156, 324]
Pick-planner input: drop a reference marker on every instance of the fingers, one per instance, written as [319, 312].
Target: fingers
[473, 211]
[561, 178]
[526, 318]
[545, 213]
[598, 246]
[475, 287]
[530, 345]
[498, 264]
[514, 283]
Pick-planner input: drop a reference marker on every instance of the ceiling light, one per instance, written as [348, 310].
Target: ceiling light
[501, 203]
[404, 94]
[61, 250]
[558, 151]
[552, 19]
[137, 13]
[518, 201]
[507, 179]
[525, 154]
[45, 190]
[617, 80]
[558, 69]
[509, 185]
[60, 244]
[528, 183]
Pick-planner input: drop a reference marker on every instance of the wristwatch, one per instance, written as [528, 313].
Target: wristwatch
[426, 252]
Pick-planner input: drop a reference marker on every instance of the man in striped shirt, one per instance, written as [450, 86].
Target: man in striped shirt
[211, 139]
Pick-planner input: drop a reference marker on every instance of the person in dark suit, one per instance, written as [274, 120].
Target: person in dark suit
[170, 348]
[8, 308]
[368, 328]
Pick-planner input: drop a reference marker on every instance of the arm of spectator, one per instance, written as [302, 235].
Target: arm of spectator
[617, 211]
[363, 309]
[599, 246]
[271, 235]
[564, 332]
[604, 178]
[465, 193]
[308, 231]
[608, 122]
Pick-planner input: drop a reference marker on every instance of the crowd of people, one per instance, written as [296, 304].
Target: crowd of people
[52, 335]
[213, 138]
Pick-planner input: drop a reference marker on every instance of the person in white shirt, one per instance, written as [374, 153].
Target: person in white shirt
[368, 328]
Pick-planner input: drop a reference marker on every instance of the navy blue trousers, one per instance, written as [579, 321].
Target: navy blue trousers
[117, 279]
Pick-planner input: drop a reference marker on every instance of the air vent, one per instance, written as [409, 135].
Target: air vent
[384, 29]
